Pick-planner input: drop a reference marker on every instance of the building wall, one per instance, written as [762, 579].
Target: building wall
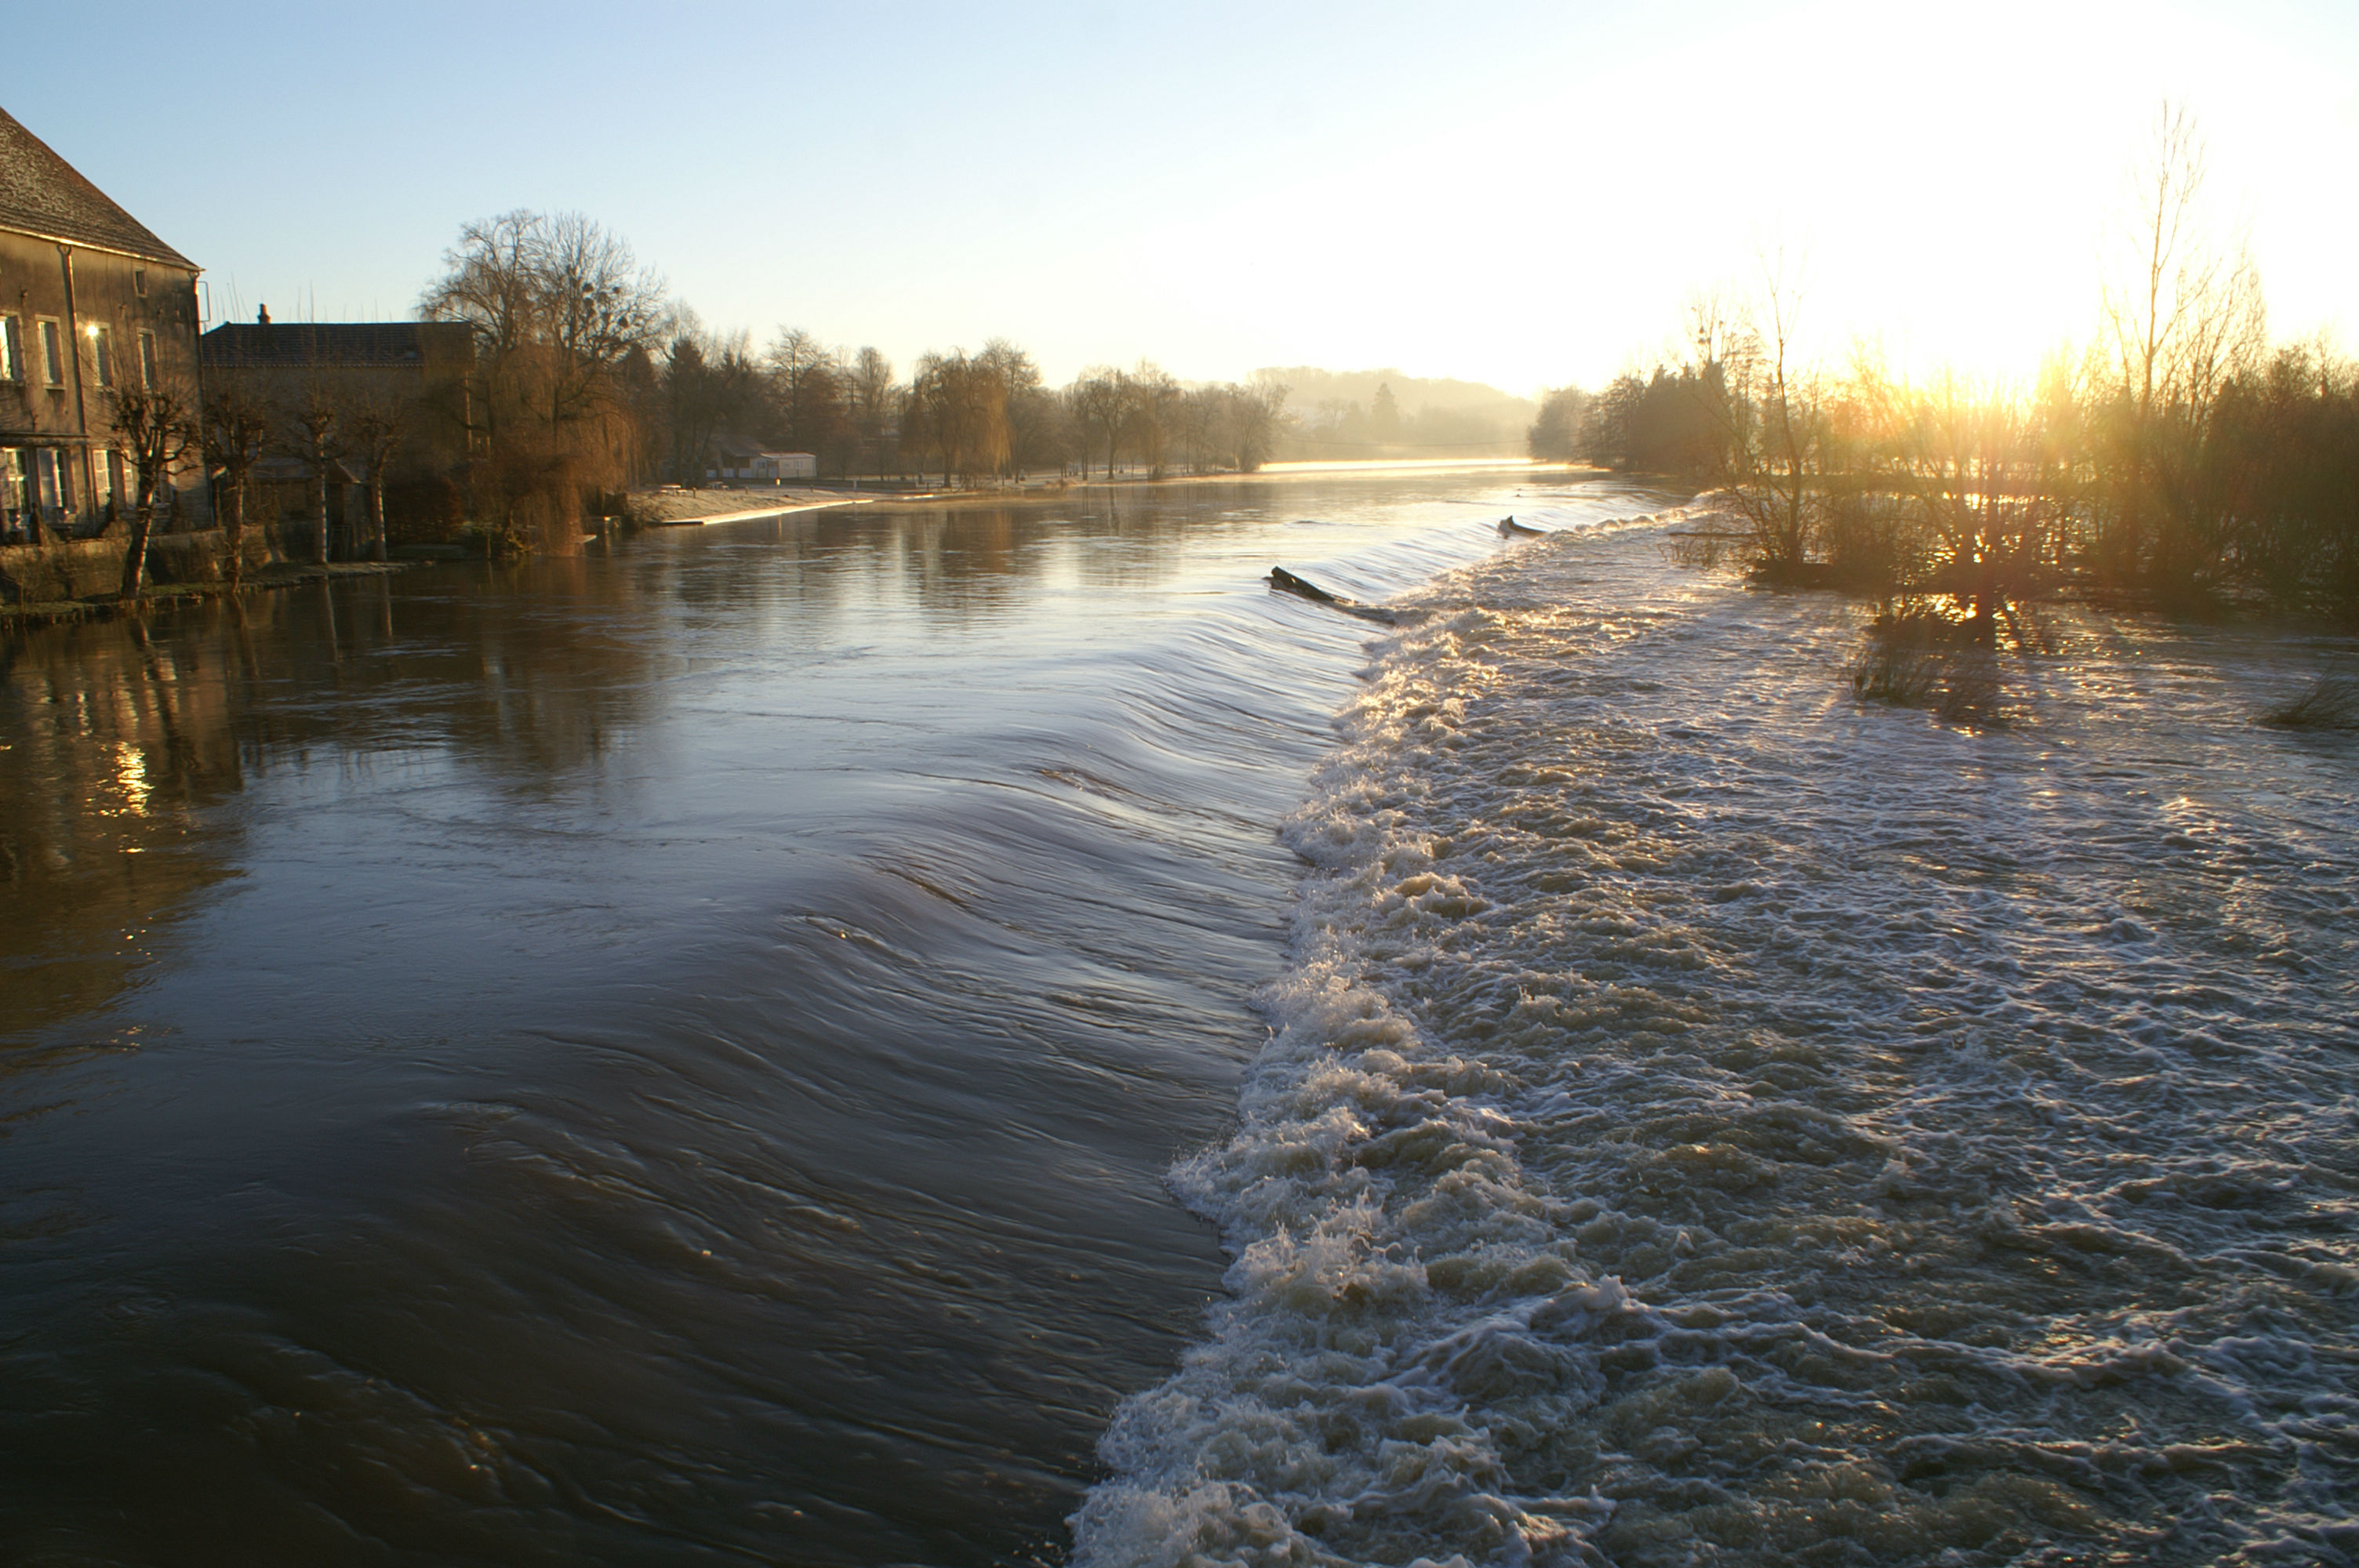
[432, 395]
[65, 426]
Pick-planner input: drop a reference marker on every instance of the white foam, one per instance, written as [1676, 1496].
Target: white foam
[1709, 1121]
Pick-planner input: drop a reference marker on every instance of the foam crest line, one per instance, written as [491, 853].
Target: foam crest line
[1711, 1121]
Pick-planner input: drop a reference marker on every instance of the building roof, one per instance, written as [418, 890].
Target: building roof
[302, 345]
[41, 194]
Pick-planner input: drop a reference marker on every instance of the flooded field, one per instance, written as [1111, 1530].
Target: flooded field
[1715, 1121]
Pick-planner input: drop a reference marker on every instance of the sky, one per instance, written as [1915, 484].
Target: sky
[1522, 193]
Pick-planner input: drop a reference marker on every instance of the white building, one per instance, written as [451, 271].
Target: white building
[744, 463]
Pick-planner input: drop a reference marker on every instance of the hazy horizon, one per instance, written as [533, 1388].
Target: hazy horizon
[1521, 199]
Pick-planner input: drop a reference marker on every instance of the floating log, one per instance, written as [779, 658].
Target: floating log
[1287, 582]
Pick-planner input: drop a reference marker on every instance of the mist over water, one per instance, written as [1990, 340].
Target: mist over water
[662, 1058]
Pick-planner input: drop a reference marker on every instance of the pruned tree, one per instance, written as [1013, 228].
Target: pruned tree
[309, 431]
[236, 434]
[374, 426]
[157, 427]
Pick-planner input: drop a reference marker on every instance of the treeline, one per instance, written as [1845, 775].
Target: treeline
[2179, 459]
[2227, 472]
[968, 418]
[591, 379]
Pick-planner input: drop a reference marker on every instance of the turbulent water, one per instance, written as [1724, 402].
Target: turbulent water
[1712, 1119]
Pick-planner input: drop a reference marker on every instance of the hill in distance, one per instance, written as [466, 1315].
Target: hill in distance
[1346, 414]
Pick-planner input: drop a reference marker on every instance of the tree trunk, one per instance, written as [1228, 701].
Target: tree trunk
[320, 542]
[376, 515]
[233, 532]
[135, 554]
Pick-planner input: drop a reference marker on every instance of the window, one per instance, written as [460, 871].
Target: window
[11, 350]
[52, 480]
[19, 519]
[112, 491]
[139, 281]
[53, 356]
[102, 348]
[148, 360]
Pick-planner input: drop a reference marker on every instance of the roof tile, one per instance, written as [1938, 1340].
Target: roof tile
[40, 193]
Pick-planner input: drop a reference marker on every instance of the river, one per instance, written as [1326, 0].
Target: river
[984, 1034]
[663, 1057]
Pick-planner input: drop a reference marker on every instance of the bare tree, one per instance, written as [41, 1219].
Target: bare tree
[374, 426]
[1746, 375]
[1101, 401]
[2184, 314]
[1255, 410]
[872, 398]
[565, 321]
[236, 433]
[798, 364]
[309, 424]
[157, 425]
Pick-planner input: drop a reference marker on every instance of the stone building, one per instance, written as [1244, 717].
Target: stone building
[419, 375]
[91, 303]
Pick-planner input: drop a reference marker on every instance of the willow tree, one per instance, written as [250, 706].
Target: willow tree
[562, 312]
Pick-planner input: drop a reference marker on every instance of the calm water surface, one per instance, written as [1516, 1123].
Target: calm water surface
[660, 1058]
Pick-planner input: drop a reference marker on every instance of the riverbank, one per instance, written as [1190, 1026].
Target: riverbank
[1035, 487]
[677, 508]
[105, 606]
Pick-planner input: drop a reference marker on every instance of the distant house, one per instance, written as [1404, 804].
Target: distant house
[90, 302]
[736, 460]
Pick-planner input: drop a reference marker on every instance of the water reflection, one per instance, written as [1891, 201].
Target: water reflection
[110, 739]
[665, 1055]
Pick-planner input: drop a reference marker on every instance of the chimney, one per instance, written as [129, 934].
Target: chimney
[262, 316]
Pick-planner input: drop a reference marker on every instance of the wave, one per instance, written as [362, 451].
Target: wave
[1711, 1121]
